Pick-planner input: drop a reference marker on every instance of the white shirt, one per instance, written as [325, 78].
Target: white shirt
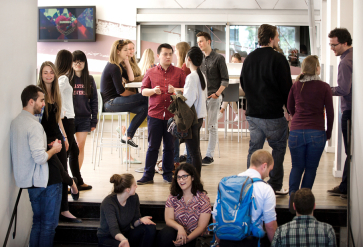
[66, 91]
[195, 95]
[264, 197]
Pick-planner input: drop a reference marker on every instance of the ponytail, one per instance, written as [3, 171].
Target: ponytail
[196, 56]
[201, 78]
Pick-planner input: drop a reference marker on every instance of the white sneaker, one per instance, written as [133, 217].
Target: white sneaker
[281, 192]
[220, 115]
[235, 118]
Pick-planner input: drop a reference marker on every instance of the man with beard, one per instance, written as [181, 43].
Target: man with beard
[266, 80]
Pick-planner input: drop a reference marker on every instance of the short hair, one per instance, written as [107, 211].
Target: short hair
[165, 45]
[205, 35]
[304, 201]
[238, 56]
[30, 92]
[342, 34]
[121, 182]
[265, 33]
[260, 157]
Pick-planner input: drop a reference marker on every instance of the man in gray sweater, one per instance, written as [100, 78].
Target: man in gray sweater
[28, 145]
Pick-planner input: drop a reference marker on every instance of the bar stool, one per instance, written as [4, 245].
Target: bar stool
[231, 94]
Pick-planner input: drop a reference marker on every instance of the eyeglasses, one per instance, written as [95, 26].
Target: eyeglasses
[334, 45]
[78, 62]
[182, 177]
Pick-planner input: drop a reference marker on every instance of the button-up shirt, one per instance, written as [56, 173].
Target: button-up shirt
[304, 230]
[215, 69]
[345, 72]
[157, 76]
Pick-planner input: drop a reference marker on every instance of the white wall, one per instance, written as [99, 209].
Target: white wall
[18, 51]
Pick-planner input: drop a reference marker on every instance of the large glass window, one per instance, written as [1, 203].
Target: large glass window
[243, 40]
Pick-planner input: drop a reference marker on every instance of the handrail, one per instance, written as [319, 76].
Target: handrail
[14, 215]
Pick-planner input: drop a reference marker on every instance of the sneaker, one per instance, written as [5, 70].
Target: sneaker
[140, 170]
[130, 142]
[182, 158]
[168, 180]
[344, 196]
[144, 180]
[235, 118]
[220, 115]
[134, 161]
[291, 201]
[281, 192]
[207, 161]
[336, 191]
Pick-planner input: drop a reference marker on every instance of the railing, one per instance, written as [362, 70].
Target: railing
[13, 216]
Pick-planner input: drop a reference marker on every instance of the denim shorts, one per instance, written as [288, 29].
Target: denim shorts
[82, 124]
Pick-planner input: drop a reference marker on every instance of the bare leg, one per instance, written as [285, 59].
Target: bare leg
[81, 141]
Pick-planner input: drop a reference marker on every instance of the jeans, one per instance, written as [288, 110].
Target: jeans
[45, 203]
[212, 109]
[141, 236]
[347, 115]
[157, 130]
[194, 146]
[135, 103]
[275, 131]
[306, 147]
[166, 237]
[177, 152]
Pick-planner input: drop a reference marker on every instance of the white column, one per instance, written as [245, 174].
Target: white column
[138, 41]
[312, 31]
[227, 44]
[182, 33]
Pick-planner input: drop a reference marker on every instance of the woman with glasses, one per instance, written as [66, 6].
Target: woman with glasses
[187, 210]
[115, 97]
[309, 97]
[85, 104]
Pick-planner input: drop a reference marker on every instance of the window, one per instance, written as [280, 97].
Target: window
[242, 40]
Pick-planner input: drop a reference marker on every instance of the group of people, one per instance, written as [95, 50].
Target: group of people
[59, 112]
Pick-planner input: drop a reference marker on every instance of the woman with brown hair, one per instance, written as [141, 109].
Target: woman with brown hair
[121, 224]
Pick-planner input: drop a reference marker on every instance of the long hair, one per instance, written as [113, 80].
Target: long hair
[135, 68]
[197, 185]
[308, 67]
[85, 77]
[116, 46]
[196, 55]
[63, 62]
[183, 48]
[54, 94]
[146, 61]
[121, 182]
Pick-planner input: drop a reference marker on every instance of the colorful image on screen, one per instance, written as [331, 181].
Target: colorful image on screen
[66, 24]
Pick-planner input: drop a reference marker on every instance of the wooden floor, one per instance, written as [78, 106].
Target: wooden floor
[233, 160]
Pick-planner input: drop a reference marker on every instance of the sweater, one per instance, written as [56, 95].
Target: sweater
[28, 144]
[266, 81]
[111, 82]
[66, 91]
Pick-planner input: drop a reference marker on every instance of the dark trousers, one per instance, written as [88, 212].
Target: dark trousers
[141, 236]
[167, 235]
[73, 150]
[247, 242]
[193, 145]
[157, 131]
[347, 115]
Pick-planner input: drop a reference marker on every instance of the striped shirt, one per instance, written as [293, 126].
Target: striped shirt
[304, 230]
[187, 215]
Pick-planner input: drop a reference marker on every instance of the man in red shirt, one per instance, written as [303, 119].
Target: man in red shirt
[159, 83]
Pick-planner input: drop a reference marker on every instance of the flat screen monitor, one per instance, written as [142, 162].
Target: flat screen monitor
[67, 24]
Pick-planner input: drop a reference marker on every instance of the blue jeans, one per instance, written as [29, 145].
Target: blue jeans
[177, 152]
[306, 147]
[135, 103]
[275, 131]
[46, 204]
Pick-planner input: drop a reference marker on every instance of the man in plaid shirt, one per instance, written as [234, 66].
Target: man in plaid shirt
[304, 229]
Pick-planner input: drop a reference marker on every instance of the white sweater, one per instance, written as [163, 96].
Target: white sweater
[66, 91]
[195, 95]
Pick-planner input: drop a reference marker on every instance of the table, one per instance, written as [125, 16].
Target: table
[137, 84]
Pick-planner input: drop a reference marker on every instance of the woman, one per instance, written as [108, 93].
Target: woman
[121, 224]
[307, 98]
[85, 103]
[147, 61]
[187, 210]
[52, 124]
[114, 95]
[236, 58]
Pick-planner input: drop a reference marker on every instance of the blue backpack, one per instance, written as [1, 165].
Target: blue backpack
[234, 206]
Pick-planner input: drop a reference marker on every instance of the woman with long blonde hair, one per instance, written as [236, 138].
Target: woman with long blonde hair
[181, 50]
[147, 61]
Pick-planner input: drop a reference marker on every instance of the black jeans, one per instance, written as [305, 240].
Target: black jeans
[141, 236]
[193, 146]
[347, 115]
[73, 150]
[166, 237]
[247, 242]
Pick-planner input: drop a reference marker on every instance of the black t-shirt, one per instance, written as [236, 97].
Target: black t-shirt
[111, 82]
[49, 121]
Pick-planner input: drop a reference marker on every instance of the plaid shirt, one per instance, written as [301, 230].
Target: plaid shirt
[304, 230]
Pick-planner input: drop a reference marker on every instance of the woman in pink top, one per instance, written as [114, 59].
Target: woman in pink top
[187, 210]
[308, 98]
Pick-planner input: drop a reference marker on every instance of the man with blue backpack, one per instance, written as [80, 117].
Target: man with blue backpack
[244, 203]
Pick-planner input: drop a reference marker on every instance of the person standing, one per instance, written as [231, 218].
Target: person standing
[158, 84]
[341, 45]
[266, 80]
[147, 61]
[215, 69]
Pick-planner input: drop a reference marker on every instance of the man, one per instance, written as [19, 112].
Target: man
[159, 83]
[341, 45]
[304, 229]
[266, 80]
[261, 165]
[28, 144]
[215, 69]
